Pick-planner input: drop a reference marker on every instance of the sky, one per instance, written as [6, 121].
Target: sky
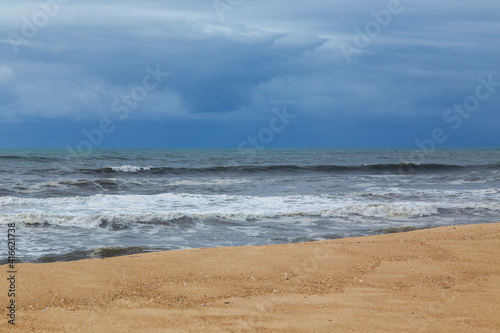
[249, 73]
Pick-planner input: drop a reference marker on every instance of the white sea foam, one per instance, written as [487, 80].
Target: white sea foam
[86, 221]
[463, 182]
[89, 211]
[219, 181]
[52, 183]
[384, 210]
[464, 195]
[130, 168]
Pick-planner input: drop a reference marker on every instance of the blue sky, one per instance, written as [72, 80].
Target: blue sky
[210, 73]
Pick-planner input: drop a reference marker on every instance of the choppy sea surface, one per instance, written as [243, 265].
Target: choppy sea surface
[119, 201]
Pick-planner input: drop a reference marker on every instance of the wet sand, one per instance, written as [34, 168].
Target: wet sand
[434, 280]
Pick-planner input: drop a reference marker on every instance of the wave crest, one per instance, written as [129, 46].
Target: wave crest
[390, 168]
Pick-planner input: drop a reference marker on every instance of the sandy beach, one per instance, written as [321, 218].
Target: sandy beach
[433, 280]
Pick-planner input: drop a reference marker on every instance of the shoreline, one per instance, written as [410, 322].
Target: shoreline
[437, 279]
[107, 252]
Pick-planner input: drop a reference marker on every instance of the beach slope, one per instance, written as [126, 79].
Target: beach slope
[433, 280]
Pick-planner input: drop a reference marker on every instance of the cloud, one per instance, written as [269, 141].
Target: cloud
[214, 67]
[263, 55]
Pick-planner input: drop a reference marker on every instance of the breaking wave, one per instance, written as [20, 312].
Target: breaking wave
[391, 168]
[187, 210]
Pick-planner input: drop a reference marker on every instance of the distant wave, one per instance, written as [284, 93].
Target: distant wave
[102, 184]
[290, 168]
[130, 168]
[29, 158]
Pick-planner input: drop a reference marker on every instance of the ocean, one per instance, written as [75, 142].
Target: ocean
[121, 201]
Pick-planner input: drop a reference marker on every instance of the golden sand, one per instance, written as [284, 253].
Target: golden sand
[434, 280]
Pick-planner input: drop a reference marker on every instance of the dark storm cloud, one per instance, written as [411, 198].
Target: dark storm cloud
[263, 54]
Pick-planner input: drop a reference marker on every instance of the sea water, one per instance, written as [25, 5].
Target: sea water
[110, 202]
